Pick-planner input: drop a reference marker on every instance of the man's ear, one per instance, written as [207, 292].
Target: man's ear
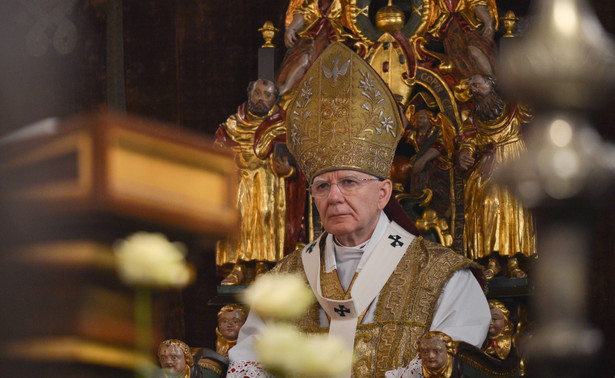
[384, 193]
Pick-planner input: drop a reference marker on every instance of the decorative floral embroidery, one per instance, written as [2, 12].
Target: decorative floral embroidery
[334, 107]
[413, 370]
[300, 115]
[387, 124]
[376, 113]
[337, 131]
[241, 369]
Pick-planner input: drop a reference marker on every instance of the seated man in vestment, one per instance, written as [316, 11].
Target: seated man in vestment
[369, 266]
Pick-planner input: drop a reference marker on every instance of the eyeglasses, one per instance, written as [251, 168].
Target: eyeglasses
[348, 186]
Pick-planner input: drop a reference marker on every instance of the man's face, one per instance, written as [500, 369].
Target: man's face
[422, 120]
[488, 104]
[262, 98]
[229, 324]
[352, 218]
[172, 359]
[432, 352]
[479, 85]
[498, 322]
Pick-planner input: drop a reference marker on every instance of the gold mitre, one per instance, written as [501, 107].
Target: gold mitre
[343, 116]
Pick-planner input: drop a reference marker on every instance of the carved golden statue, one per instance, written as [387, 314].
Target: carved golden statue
[175, 359]
[311, 25]
[431, 135]
[499, 337]
[230, 319]
[495, 221]
[261, 195]
[436, 351]
[467, 29]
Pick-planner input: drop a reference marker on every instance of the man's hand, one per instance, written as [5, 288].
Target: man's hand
[418, 166]
[421, 162]
[466, 160]
[290, 34]
[290, 37]
[281, 167]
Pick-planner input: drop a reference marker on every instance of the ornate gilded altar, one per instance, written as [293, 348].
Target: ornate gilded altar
[432, 55]
[439, 59]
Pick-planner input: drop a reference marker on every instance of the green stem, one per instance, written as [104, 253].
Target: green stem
[143, 319]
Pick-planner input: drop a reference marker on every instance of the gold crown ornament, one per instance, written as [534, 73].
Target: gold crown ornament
[343, 116]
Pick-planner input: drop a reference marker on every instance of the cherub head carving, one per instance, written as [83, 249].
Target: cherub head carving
[175, 358]
[499, 336]
[230, 319]
[436, 350]
[500, 323]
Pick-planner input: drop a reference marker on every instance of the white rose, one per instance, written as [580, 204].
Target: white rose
[325, 355]
[278, 348]
[278, 296]
[150, 259]
[285, 351]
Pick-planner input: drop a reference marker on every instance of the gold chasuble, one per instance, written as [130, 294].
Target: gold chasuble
[404, 309]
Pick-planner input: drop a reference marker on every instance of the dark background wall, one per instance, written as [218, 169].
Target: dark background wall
[188, 63]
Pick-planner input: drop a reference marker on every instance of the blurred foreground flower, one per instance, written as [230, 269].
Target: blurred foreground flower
[151, 260]
[146, 261]
[278, 296]
[285, 351]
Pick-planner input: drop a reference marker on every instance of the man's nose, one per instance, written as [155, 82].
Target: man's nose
[335, 194]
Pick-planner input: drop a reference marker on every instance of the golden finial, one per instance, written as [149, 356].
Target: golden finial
[509, 20]
[268, 31]
[390, 18]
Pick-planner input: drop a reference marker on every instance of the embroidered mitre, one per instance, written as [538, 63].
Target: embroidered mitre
[343, 116]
